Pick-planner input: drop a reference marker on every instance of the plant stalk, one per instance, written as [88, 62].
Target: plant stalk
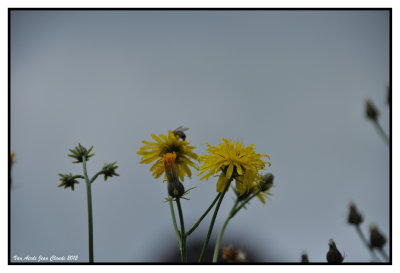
[203, 251]
[221, 232]
[89, 205]
[383, 253]
[204, 215]
[183, 237]
[177, 232]
[381, 132]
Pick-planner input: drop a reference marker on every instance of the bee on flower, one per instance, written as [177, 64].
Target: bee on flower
[172, 143]
[232, 160]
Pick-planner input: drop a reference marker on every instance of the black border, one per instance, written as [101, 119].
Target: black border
[390, 262]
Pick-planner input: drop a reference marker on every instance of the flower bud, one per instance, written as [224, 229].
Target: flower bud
[175, 187]
[69, 180]
[334, 256]
[354, 218]
[370, 110]
[304, 257]
[79, 152]
[377, 239]
[109, 170]
[267, 182]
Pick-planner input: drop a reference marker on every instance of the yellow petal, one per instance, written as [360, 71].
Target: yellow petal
[221, 183]
[229, 171]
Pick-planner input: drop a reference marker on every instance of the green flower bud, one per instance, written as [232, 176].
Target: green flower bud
[69, 180]
[175, 189]
[267, 182]
[79, 152]
[370, 110]
[354, 218]
[109, 170]
[377, 239]
[334, 256]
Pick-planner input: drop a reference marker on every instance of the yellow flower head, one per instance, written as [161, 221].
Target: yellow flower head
[234, 161]
[155, 151]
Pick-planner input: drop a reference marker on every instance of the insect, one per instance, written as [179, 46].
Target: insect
[180, 132]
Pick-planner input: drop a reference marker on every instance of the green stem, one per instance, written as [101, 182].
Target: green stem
[221, 232]
[203, 251]
[204, 215]
[177, 232]
[383, 253]
[245, 201]
[382, 133]
[95, 176]
[89, 205]
[183, 237]
[361, 234]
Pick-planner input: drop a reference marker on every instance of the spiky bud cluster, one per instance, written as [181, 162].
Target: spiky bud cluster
[79, 152]
[109, 170]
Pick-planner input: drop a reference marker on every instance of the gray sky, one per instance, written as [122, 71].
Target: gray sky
[291, 82]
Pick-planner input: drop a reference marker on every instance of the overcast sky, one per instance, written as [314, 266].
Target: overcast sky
[293, 83]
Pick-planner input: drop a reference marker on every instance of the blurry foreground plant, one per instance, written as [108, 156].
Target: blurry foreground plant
[372, 114]
[304, 257]
[234, 256]
[333, 256]
[377, 241]
[355, 218]
[82, 155]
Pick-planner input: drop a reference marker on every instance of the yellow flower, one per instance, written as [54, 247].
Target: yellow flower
[155, 151]
[234, 161]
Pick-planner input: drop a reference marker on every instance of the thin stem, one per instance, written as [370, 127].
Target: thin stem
[382, 133]
[95, 176]
[183, 256]
[204, 215]
[177, 232]
[383, 253]
[203, 251]
[221, 232]
[245, 202]
[366, 243]
[89, 205]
